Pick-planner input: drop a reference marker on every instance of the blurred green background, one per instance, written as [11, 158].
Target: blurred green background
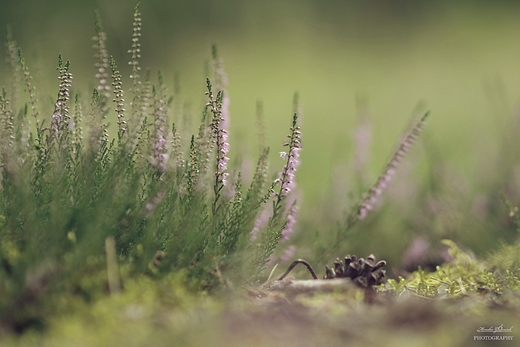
[461, 60]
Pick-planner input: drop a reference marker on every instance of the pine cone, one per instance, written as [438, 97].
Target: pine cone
[365, 273]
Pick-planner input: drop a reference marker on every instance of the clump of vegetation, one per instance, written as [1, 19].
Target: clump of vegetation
[72, 195]
[464, 276]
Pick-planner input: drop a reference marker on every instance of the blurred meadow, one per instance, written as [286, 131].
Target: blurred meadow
[387, 60]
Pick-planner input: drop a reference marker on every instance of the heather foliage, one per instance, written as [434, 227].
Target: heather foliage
[72, 195]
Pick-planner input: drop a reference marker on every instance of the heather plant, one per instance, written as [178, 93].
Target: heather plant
[464, 275]
[75, 200]
[358, 212]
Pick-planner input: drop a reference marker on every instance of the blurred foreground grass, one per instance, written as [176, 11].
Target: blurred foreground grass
[441, 309]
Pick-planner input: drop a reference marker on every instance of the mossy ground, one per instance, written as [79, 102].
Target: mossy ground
[442, 308]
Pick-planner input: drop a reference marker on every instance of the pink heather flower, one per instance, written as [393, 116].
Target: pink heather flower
[56, 119]
[286, 177]
[224, 178]
[291, 221]
[374, 194]
[288, 254]
[221, 82]
[118, 99]
[225, 110]
[151, 205]
[260, 222]
[177, 150]
[221, 78]
[219, 138]
[222, 159]
[60, 117]
[363, 212]
[160, 150]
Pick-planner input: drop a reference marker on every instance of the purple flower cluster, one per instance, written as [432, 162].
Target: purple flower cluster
[219, 139]
[222, 158]
[374, 194]
[261, 221]
[103, 62]
[160, 150]
[288, 254]
[222, 109]
[291, 221]
[119, 98]
[60, 117]
[177, 150]
[135, 51]
[221, 79]
[154, 202]
[225, 111]
[286, 177]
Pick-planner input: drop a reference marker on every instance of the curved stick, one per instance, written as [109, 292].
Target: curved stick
[296, 262]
